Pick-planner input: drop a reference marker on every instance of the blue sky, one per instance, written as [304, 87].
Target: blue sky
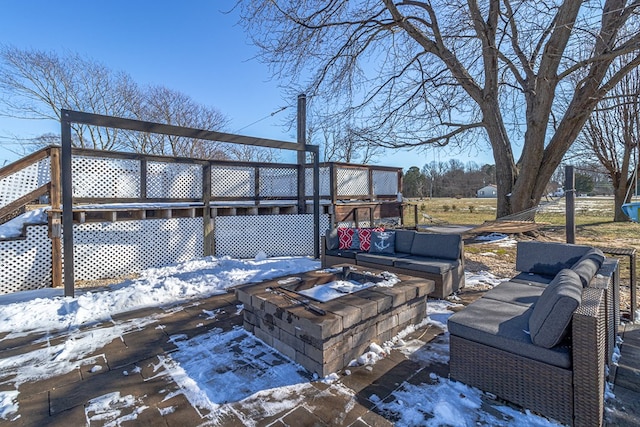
[190, 46]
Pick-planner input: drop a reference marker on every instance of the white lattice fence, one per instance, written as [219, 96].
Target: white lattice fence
[24, 181]
[385, 182]
[352, 182]
[25, 264]
[115, 249]
[174, 180]
[276, 235]
[105, 177]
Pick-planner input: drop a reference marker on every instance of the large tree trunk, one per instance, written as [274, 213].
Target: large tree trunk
[619, 198]
[506, 171]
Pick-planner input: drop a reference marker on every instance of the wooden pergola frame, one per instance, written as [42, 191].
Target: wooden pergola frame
[67, 117]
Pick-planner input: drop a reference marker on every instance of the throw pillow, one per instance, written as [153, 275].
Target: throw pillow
[345, 237]
[355, 240]
[365, 238]
[552, 313]
[364, 234]
[383, 242]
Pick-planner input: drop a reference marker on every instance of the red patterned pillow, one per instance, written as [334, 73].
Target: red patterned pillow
[365, 237]
[345, 236]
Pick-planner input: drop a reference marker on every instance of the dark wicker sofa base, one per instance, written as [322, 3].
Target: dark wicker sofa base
[490, 348]
[572, 396]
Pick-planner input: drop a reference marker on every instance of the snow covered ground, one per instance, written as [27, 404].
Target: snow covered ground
[276, 384]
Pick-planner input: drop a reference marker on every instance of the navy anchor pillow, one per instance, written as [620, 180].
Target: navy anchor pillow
[383, 242]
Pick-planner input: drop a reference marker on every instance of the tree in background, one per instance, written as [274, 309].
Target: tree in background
[499, 73]
[162, 105]
[446, 179]
[414, 183]
[583, 183]
[611, 138]
[36, 85]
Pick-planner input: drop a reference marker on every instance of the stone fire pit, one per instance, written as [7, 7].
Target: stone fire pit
[324, 319]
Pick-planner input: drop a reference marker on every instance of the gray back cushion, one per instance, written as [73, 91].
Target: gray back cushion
[552, 313]
[588, 265]
[547, 258]
[404, 240]
[332, 241]
[446, 246]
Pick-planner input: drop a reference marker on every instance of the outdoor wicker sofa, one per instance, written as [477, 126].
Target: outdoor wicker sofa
[438, 257]
[542, 339]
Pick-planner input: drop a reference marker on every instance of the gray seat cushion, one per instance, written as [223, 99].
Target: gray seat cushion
[552, 313]
[404, 240]
[525, 294]
[503, 325]
[439, 246]
[386, 260]
[532, 278]
[588, 265]
[428, 265]
[344, 253]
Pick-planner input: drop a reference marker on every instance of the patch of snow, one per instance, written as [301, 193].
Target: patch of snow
[481, 278]
[166, 411]
[112, 410]
[13, 228]
[189, 280]
[8, 405]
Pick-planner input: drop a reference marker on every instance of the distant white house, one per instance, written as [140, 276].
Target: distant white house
[487, 192]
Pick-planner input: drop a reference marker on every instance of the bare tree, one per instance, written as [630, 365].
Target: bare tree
[37, 85]
[162, 105]
[427, 73]
[612, 135]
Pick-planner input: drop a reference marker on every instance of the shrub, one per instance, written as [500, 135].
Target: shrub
[445, 208]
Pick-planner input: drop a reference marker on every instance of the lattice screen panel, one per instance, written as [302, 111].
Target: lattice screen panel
[174, 180]
[98, 177]
[22, 182]
[278, 182]
[276, 235]
[233, 181]
[25, 264]
[352, 182]
[115, 249]
[385, 182]
[325, 182]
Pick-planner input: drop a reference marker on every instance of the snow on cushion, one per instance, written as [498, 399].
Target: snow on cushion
[345, 237]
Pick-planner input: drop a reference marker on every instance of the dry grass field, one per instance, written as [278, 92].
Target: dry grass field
[594, 226]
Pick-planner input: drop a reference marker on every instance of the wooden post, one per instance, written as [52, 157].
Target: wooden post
[55, 218]
[208, 241]
[570, 197]
[301, 155]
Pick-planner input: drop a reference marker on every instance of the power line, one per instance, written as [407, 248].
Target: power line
[264, 118]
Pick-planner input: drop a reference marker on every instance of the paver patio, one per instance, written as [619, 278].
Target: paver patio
[132, 365]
